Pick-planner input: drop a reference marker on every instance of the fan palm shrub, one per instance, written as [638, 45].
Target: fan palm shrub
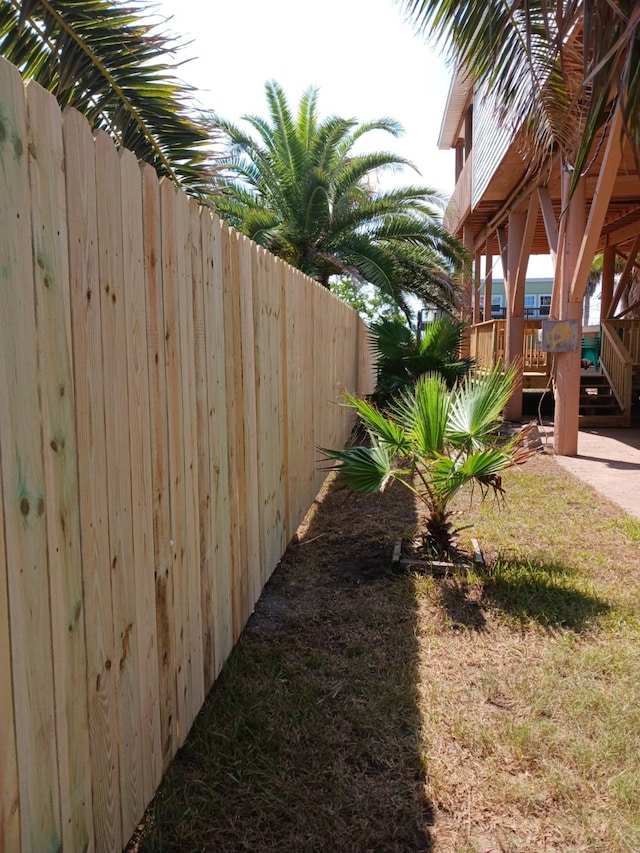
[435, 441]
[401, 358]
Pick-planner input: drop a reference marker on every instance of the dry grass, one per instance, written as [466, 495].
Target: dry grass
[486, 713]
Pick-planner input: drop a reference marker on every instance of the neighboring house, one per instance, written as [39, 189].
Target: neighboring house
[505, 211]
[537, 299]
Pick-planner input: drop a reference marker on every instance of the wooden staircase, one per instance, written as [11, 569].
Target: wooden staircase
[598, 405]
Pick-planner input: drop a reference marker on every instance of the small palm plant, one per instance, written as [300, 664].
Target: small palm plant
[434, 441]
[401, 358]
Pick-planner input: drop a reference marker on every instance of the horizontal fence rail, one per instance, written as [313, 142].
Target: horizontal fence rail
[164, 386]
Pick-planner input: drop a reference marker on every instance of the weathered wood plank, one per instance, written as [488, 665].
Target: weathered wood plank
[57, 411]
[249, 579]
[9, 794]
[158, 411]
[270, 412]
[113, 287]
[141, 479]
[235, 421]
[176, 442]
[92, 477]
[205, 470]
[300, 397]
[23, 487]
[192, 618]
[219, 517]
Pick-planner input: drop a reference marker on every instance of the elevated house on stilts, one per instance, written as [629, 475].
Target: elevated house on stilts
[505, 211]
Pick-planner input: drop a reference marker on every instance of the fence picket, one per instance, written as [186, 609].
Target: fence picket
[9, 795]
[92, 474]
[218, 439]
[192, 614]
[158, 413]
[250, 525]
[57, 411]
[24, 488]
[141, 490]
[113, 286]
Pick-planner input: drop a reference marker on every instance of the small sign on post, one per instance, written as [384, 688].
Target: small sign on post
[559, 336]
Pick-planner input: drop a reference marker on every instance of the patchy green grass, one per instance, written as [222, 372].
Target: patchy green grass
[496, 710]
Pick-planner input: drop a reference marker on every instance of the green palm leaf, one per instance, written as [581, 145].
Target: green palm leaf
[365, 469]
[305, 171]
[476, 406]
[103, 58]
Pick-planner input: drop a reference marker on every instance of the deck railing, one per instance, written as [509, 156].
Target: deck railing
[619, 350]
[488, 345]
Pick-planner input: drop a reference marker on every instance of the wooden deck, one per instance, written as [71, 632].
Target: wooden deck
[607, 394]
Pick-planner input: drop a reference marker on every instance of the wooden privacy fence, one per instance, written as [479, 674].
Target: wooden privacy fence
[164, 384]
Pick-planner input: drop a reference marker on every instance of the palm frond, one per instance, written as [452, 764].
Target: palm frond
[364, 469]
[109, 61]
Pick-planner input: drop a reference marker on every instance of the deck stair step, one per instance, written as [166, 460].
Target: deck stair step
[598, 405]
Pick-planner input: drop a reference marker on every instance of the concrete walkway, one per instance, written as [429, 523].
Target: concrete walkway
[609, 460]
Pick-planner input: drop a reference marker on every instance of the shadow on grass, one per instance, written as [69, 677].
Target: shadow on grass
[309, 740]
[540, 592]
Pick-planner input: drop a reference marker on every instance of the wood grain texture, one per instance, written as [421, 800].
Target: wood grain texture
[92, 476]
[141, 477]
[113, 285]
[218, 464]
[23, 488]
[158, 432]
[250, 521]
[192, 616]
[9, 794]
[235, 422]
[57, 412]
[175, 439]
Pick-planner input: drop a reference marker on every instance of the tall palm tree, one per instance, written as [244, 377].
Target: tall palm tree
[557, 67]
[110, 63]
[298, 188]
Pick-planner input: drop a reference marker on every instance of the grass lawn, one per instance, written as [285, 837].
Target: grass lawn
[489, 712]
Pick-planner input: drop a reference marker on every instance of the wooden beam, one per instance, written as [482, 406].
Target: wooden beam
[527, 241]
[567, 377]
[625, 277]
[599, 207]
[550, 223]
[476, 288]
[488, 278]
[629, 308]
[617, 238]
[501, 233]
[608, 280]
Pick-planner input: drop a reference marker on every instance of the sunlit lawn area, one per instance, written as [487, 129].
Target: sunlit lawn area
[491, 711]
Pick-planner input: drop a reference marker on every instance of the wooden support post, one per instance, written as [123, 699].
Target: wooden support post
[476, 288]
[514, 287]
[567, 387]
[465, 347]
[550, 224]
[608, 280]
[501, 234]
[598, 211]
[488, 278]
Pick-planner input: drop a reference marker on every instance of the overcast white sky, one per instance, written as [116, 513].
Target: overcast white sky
[361, 54]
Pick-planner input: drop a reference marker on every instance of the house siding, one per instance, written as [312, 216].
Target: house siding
[490, 144]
